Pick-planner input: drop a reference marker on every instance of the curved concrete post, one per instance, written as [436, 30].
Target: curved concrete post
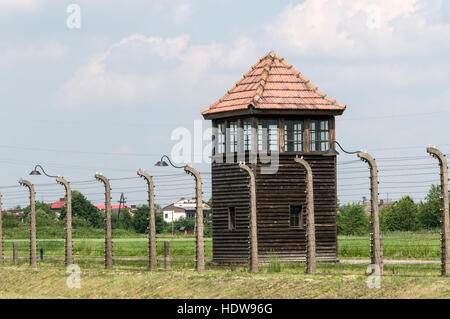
[310, 222]
[33, 255]
[151, 220]
[68, 248]
[108, 230]
[376, 246]
[200, 245]
[445, 222]
[1, 235]
[253, 220]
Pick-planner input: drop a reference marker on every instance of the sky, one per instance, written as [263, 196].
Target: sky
[107, 96]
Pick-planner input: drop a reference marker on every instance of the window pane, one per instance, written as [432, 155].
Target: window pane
[220, 138]
[231, 218]
[293, 135]
[247, 135]
[233, 136]
[268, 135]
[295, 216]
[319, 135]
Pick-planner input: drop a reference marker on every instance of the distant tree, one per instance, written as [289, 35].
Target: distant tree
[125, 221]
[39, 205]
[353, 220]
[140, 220]
[84, 209]
[10, 220]
[401, 217]
[43, 218]
[429, 214]
[207, 222]
[184, 224]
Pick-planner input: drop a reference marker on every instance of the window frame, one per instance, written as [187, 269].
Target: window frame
[233, 136]
[231, 218]
[221, 138]
[264, 140]
[300, 216]
[294, 133]
[316, 141]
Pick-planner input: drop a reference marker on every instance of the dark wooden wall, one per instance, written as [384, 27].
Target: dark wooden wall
[274, 195]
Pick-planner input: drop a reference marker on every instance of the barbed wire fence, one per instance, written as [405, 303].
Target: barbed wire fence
[398, 177]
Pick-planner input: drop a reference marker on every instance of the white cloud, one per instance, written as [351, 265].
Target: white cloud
[178, 67]
[357, 28]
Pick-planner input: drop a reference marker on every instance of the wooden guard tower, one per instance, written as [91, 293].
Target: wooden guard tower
[269, 117]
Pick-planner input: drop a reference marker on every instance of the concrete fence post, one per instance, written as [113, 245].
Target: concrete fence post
[310, 222]
[108, 230]
[33, 256]
[376, 246]
[200, 244]
[167, 255]
[68, 243]
[15, 253]
[151, 220]
[1, 235]
[445, 219]
[253, 260]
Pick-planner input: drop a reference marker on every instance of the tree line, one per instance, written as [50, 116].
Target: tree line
[86, 215]
[404, 215]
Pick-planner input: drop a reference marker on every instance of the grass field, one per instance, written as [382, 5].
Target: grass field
[332, 281]
[395, 246]
[129, 279]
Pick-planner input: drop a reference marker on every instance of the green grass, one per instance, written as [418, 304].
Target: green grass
[182, 249]
[396, 245]
[331, 281]
[276, 279]
[58, 232]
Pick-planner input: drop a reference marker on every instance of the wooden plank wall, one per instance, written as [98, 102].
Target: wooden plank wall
[275, 193]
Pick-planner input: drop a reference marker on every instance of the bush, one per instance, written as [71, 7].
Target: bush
[400, 217]
[140, 221]
[429, 213]
[353, 220]
[10, 221]
[43, 218]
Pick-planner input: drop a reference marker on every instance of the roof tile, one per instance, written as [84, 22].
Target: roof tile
[273, 83]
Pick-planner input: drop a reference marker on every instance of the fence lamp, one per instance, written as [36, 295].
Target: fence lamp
[162, 163]
[36, 172]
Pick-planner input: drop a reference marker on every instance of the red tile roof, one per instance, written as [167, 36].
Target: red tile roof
[59, 204]
[274, 84]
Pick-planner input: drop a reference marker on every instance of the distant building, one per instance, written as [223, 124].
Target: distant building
[14, 211]
[184, 208]
[381, 204]
[114, 208]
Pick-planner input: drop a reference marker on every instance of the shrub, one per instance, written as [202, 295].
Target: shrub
[353, 220]
[400, 217]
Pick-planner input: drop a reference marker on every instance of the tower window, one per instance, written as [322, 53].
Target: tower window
[296, 216]
[231, 218]
[247, 128]
[233, 136]
[220, 138]
[293, 135]
[268, 135]
[319, 135]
